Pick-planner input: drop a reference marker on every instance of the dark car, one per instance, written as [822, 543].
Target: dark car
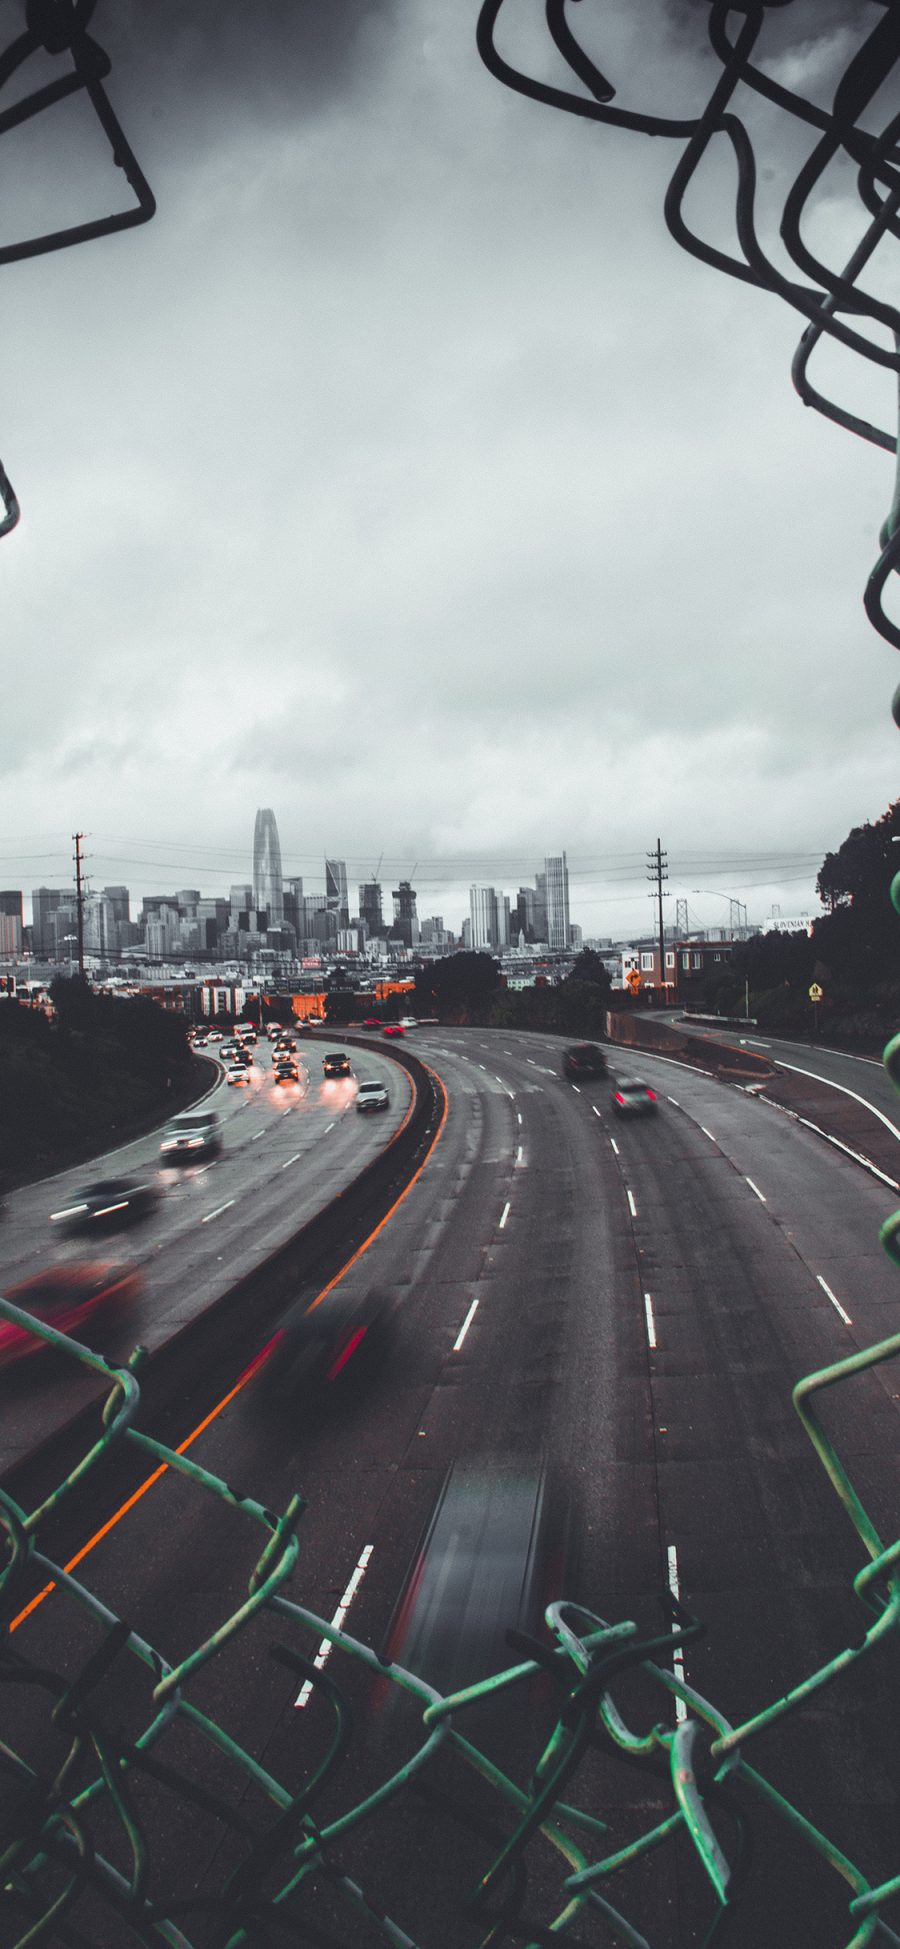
[371, 1096]
[108, 1203]
[326, 1346]
[241, 1059]
[68, 1298]
[632, 1098]
[287, 1072]
[497, 1549]
[584, 1060]
[337, 1065]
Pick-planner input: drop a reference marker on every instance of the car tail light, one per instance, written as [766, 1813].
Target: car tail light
[340, 1360]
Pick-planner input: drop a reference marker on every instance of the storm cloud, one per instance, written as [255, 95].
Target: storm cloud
[402, 474]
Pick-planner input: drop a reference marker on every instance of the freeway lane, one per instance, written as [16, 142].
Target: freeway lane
[288, 1150]
[853, 1090]
[561, 1224]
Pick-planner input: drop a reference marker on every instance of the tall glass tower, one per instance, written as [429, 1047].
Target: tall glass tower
[268, 889]
[557, 874]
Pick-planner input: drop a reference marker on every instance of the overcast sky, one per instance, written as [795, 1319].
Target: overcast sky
[403, 475]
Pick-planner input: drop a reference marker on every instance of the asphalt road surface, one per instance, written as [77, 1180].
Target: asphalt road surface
[627, 1304]
[288, 1150]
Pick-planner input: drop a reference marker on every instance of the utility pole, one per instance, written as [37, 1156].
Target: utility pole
[658, 863]
[79, 902]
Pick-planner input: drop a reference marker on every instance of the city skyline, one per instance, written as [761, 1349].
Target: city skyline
[438, 628]
[596, 904]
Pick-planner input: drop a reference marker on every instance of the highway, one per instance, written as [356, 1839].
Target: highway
[288, 1150]
[629, 1303]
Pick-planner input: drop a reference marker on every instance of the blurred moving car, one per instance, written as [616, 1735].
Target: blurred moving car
[371, 1096]
[108, 1202]
[393, 1028]
[337, 1064]
[372, 1022]
[632, 1098]
[583, 1060]
[68, 1298]
[325, 1346]
[496, 1550]
[192, 1134]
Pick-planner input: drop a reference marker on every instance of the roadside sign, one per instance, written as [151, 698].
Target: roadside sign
[816, 993]
[633, 979]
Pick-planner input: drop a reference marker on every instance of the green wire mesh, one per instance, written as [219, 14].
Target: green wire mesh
[53, 1858]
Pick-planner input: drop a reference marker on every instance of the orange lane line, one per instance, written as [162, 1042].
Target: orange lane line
[397, 1201]
[236, 1389]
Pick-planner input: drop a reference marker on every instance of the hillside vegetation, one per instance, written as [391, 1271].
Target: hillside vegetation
[104, 1069]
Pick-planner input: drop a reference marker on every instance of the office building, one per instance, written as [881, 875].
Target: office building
[268, 894]
[556, 875]
[406, 921]
[336, 890]
[370, 908]
[488, 918]
[44, 903]
[10, 923]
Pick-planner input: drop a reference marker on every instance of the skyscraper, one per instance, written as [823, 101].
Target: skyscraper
[406, 921]
[336, 890]
[267, 881]
[557, 877]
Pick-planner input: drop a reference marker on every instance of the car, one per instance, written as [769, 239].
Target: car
[238, 1079]
[409, 1021]
[198, 1041]
[68, 1298]
[284, 1044]
[371, 1096]
[393, 1028]
[192, 1134]
[498, 1547]
[287, 1072]
[240, 1059]
[632, 1098]
[337, 1064]
[325, 1347]
[215, 1035]
[584, 1060]
[108, 1203]
[372, 1022]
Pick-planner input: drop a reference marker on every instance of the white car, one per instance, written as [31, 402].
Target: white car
[372, 1096]
[195, 1133]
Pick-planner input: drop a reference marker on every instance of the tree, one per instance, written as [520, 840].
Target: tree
[859, 874]
[458, 989]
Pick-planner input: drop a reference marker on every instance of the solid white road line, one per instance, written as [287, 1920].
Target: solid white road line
[651, 1323]
[755, 1187]
[677, 1655]
[324, 1652]
[708, 1133]
[892, 1127]
[834, 1301]
[465, 1326]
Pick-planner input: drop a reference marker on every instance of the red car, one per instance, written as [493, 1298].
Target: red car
[68, 1298]
[393, 1028]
